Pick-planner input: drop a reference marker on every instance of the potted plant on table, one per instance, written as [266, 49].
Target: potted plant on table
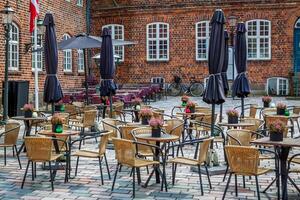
[281, 107]
[59, 107]
[28, 110]
[233, 116]
[277, 129]
[184, 100]
[156, 125]
[57, 123]
[266, 100]
[145, 115]
[190, 107]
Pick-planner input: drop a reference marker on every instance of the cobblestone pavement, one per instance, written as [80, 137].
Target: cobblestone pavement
[87, 184]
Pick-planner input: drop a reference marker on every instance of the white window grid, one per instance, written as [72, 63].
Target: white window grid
[282, 85]
[67, 59]
[80, 3]
[259, 39]
[202, 40]
[13, 48]
[117, 33]
[39, 54]
[158, 41]
[80, 60]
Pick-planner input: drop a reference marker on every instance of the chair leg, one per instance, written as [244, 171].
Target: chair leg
[226, 171]
[227, 185]
[100, 166]
[294, 184]
[15, 147]
[51, 176]
[4, 156]
[76, 168]
[257, 188]
[107, 168]
[244, 184]
[25, 174]
[13, 150]
[208, 176]
[115, 176]
[133, 183]
[32, 171]
[236, 186]
[173, 170]
[138, 173]
[200, 178]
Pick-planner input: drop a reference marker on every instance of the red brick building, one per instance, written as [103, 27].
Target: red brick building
[172, 36]
[70, 18]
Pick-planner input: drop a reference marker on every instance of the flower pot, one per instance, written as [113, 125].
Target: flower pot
[59, 108]
[183, 103]
[233, 120]
[57, 128]
[145, 121]
[280, 111]
[28, 114]
[156, 132]
[266, 104]
[276, 136]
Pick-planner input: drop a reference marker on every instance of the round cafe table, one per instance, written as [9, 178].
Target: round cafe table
[165, 138]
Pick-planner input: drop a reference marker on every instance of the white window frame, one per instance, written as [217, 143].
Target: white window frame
[112, 28]
[39, 54]
[158, 39]
[258, 37]
[80, 3]
[14, 43]
[206, 22]
[278, 79]
[80, 60]
[65, 58]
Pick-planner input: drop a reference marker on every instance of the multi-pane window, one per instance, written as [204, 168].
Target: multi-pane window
[13, 49]
[117, 33]
[202, 40]
[158, 42]
[259, 39]
[39, 61]
[67, 59]
[79, 2]
[80, 60]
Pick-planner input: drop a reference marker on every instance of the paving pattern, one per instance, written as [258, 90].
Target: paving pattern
[87, 184]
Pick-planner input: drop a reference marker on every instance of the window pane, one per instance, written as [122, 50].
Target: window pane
[157, 41]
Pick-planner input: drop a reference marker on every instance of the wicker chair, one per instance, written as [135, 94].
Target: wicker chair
[10, 135]
[126, 156]
[143, 151]
[110, 124]
[88, 120]
[268, 111]
[126, 131]
[200, 161]
[243, 161]
[175, 127]
[100, 154]
[240, 137]
[295, 159]
[39, 149]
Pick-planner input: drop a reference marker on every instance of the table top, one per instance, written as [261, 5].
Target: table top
[65, 133]
[142, 125]
[162, 138]
[241, 124]
[287, 142]
[29, 118]
[189, 114]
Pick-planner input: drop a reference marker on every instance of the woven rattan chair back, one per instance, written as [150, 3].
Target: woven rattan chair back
[203, 150]
[175, 127]
[117, 109]
[270, 119]
[110, 124]
[253, 110]
[125, 151]
[12, 132]
[296, 110]
[258, 124]
[142, 148]
[126, 131]
[269, 111]
[61, 144]
[39, 148]
[89, 118]
[159, 113]
[206, 118]
[242, 135]
[89, 107]
[242, 160]
[203, 110]
[103, 143]
[71, 109]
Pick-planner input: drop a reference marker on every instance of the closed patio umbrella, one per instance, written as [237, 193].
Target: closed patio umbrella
[224, 72]
[214, 92]
[241, 86]
[107, 67]
[52, 88]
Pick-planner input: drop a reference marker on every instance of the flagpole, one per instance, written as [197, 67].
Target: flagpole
[36, 72]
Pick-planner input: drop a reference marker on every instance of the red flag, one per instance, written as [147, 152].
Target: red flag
[34, 12]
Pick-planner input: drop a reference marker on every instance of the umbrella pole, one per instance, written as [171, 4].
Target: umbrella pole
[110, 106]
[242, 114]
[212, 123]
[52, 108]
[85, 75]
[221, 113]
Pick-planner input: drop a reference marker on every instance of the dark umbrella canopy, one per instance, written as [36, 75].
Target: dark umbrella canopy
[214, 92]
[241, 86]
[80, 41]
[225, 65]
[107, 65]
[52, 88]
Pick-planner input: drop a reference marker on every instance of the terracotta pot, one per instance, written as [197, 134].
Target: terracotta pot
[27, 114]
[156, 132]
[276, 136]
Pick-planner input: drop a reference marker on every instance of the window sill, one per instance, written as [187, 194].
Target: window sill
[258, 59]
[68, 73]
[14, 72]
[158, 61]
[80, 73]
[39, 72]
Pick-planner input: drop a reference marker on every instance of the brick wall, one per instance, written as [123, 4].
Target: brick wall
[69, 18]
[182, 16]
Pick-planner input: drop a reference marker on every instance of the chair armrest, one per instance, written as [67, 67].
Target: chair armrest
[257, 134]
[235, 139]
[96, 134]
[5, 132]
[291, 159]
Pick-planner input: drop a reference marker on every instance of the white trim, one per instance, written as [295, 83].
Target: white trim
[14, 43]
[39, 54]
[206, 39]
[277, 85]
[66, 53]
[157, 40]
[112, 27]
[79, 3]
[257, 37]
